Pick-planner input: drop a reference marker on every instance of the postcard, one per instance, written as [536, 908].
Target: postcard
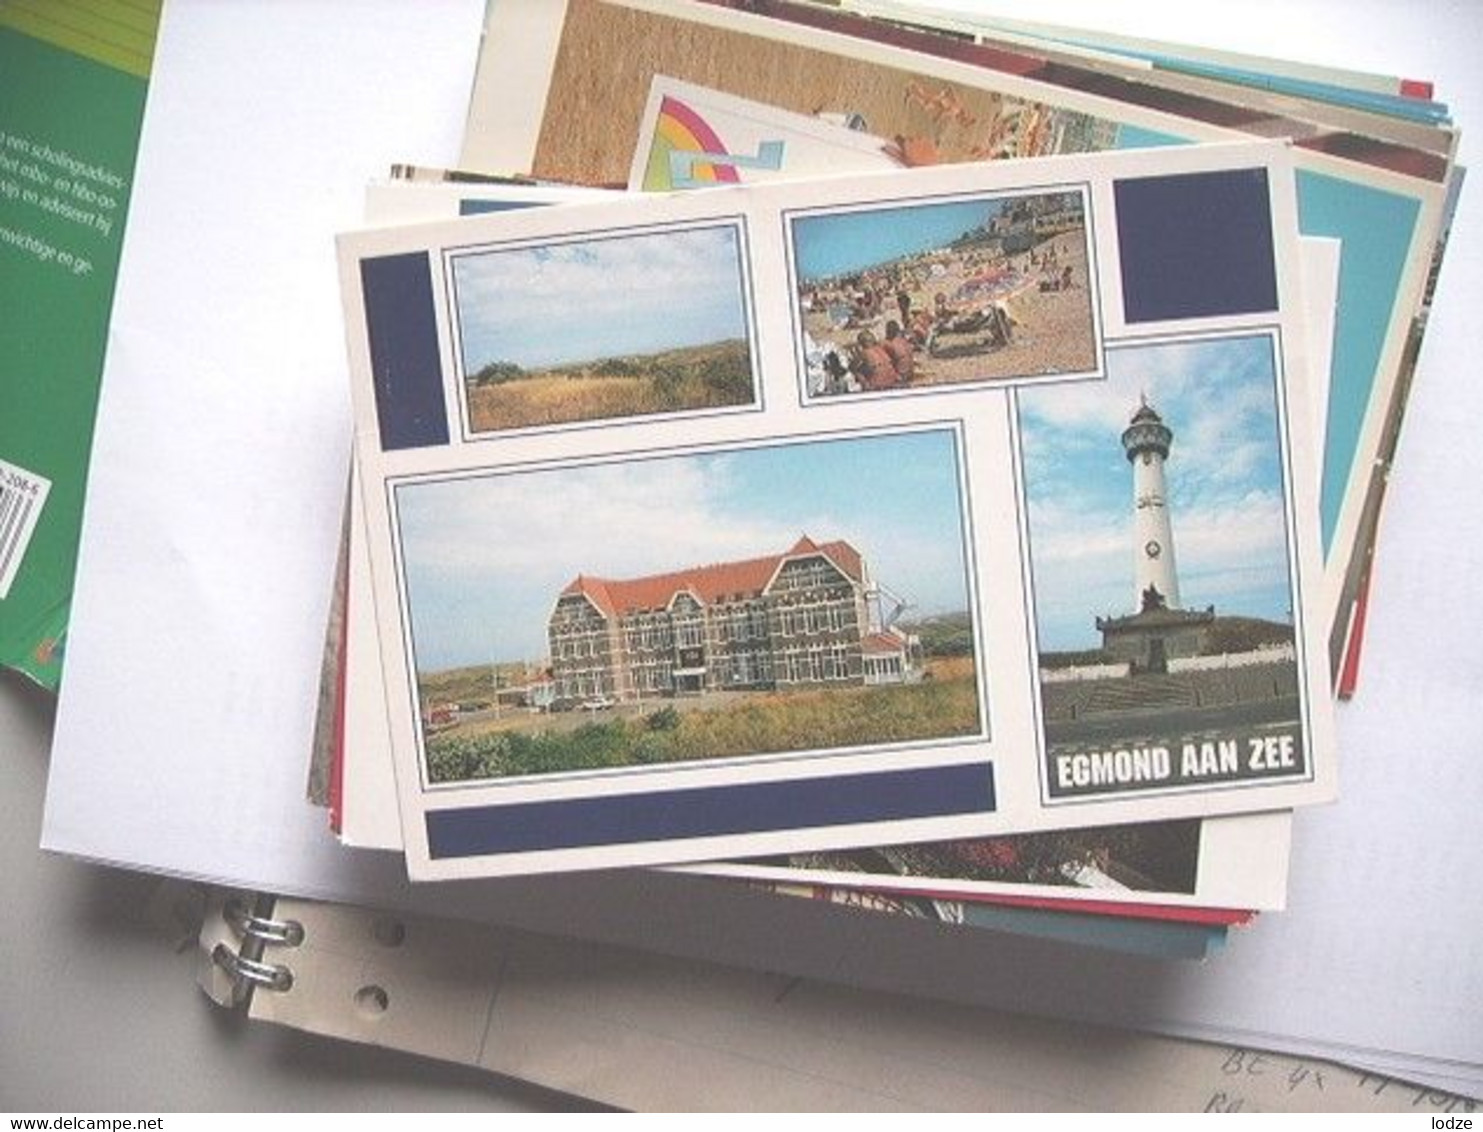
[1170, 868]
[693, 137]
[1376, 184]
[760, 622]
[1173, 869]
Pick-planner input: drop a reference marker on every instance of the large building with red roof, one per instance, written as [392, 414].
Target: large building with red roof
[799, 618]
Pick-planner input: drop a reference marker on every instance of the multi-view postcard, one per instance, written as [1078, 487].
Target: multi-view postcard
[746, 86]
[1233, 862]
[649, 590]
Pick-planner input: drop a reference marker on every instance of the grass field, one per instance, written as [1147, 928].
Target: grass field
[754, 723]
[686, 378]
[473, 686]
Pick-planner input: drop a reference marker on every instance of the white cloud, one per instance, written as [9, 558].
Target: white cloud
[610, 522]
[1247, 540]
[632, 278]
[1083, 559]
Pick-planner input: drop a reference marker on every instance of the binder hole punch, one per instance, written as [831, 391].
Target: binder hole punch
[371, 1001]
[388, 932]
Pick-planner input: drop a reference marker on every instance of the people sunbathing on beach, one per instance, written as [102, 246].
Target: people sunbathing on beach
[991, 319]
[871, 364]
[902, 352]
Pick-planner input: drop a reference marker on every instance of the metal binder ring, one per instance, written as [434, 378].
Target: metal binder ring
[270, 976]
[287, 932]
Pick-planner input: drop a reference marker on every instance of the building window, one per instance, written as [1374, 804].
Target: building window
[758, 619]
[839, 660]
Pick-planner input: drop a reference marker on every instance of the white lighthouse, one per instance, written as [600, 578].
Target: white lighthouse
[1146, 442]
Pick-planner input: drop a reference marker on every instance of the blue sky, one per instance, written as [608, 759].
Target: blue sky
[486, 557]
[1224, 477]
[590, 299]
[848, 241]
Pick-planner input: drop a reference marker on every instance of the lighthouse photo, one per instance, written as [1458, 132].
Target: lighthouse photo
[1147, 441]
[1157, 510]
[1159, 628]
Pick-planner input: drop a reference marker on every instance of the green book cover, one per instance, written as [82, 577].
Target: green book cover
[73, 78]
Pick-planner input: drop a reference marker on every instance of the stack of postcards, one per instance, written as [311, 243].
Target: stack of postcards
[889, 521]
[918, 463]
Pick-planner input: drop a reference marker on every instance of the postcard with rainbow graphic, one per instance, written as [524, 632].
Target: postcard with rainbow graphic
[693, 137]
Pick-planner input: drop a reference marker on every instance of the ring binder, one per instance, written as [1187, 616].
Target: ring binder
[290, 933]
[257, 928]
[273, 976]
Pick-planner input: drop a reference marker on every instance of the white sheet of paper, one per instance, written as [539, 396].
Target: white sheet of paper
[225, 422]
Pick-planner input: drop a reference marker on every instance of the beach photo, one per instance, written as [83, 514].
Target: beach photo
[589, 114]
[983, 289]
[1163, 584]
[741, 602]
[622, 325]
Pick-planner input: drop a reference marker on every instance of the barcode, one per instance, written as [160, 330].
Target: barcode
[22, 495]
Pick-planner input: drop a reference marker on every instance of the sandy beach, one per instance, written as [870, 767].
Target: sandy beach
[1053, 331]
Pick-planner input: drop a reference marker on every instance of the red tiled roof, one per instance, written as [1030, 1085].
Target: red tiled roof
[841, 553]
[888, 642]
[714, 583]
